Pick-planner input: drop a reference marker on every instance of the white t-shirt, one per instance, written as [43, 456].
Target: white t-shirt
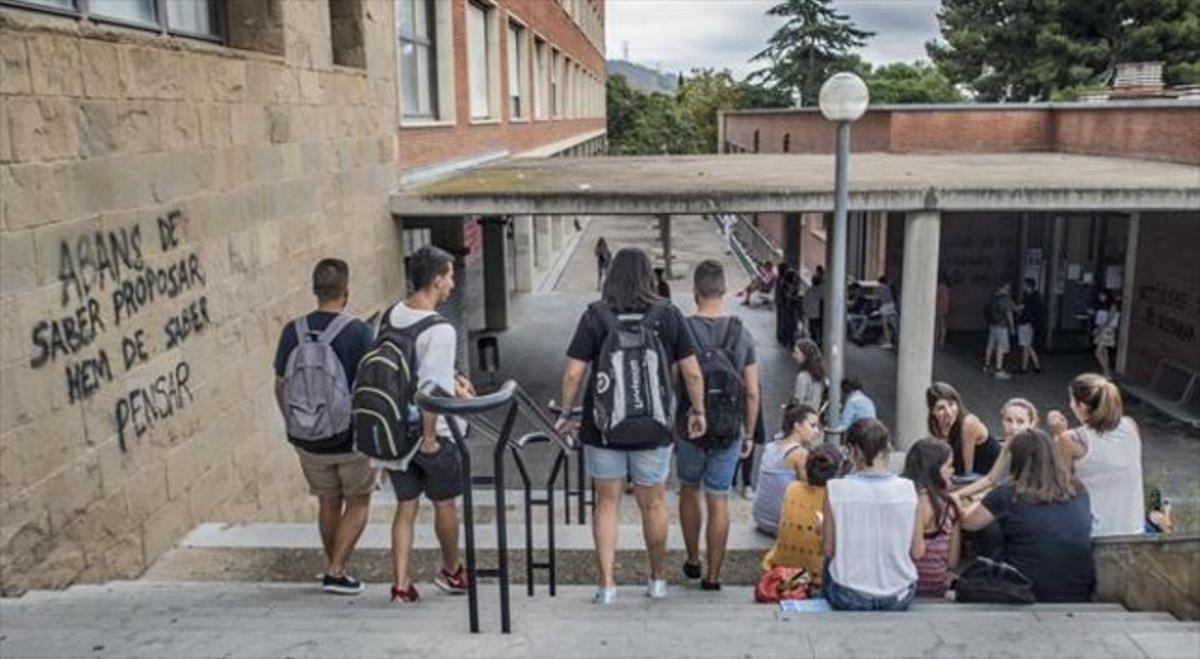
[873, 518]
[436, 350]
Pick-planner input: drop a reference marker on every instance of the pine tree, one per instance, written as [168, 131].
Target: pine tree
[806, 50]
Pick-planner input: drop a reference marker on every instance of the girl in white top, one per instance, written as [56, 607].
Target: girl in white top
[1107, 453]
[1104, 333]
[869, 532]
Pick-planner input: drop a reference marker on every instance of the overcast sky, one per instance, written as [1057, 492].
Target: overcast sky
[685, 34]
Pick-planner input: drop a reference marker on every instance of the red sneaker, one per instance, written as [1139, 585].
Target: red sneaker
[406, 596]
[453, 583]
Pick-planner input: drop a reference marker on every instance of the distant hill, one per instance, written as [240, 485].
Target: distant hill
[643, 77]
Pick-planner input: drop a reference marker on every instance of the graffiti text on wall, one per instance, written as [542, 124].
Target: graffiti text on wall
[1172, 311]
[106, 282]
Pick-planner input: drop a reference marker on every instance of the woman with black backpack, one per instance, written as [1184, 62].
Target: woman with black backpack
[630, 339]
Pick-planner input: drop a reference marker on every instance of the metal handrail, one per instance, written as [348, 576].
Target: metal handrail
[510, 395]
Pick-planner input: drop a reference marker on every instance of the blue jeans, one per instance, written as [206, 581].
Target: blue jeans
[714, 467]
[842, 598]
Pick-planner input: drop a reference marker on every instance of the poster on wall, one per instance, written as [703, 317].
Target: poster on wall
[1034, 266]
[1114, 277]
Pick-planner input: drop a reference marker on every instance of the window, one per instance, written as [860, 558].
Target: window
[346, 33]
[479, 60]
[539, 79]
[518, 71]
[194, 18]
[555, 73]
[418, 59]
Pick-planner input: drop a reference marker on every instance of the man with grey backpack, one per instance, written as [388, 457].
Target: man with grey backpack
[315, 365]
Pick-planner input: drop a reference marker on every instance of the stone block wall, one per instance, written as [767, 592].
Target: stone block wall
[1151, 573]
[163, 203]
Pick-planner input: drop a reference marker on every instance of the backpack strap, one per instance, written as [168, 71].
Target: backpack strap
[302, 334]
[335, 327]
[733, 332]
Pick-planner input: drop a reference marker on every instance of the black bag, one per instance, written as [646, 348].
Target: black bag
[634, 402]
[997, 582]
[724, 390]
[384, 414]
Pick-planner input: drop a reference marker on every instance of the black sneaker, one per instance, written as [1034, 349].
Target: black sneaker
[705, 584]
[343, 585]
[691, 570]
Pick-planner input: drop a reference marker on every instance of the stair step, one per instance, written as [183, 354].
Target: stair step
[152, 619]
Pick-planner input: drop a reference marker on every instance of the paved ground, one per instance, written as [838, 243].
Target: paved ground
[532, 351]
[141, 619]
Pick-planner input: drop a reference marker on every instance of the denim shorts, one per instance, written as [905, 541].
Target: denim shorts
[714, 467]
[648, 467]
[841, 598]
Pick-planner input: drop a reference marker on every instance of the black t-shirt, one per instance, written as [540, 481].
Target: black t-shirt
[350, 345]
[589, 338]
[1051, 543]
[1031, 309]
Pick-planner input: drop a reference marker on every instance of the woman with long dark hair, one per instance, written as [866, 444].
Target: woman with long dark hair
[975, 450]
[929, 465]
[642, 450]
[603, 259]
[1045, 521]
[811, 380]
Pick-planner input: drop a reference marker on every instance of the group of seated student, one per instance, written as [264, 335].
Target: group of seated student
[1033, 499]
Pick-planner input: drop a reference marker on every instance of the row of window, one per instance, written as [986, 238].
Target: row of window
[194, 18]
[543, 83]
[587, 17]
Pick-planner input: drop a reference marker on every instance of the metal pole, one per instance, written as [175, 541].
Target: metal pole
[664, 232]
[835, 300]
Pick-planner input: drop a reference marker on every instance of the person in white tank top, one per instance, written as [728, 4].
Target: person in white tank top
[869, 533]
[1106, 451]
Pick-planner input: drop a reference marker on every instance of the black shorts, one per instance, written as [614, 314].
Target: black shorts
[438, 475]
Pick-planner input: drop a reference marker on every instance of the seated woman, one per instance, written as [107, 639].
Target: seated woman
[799, 541]
[763, 282]
[1106, 452]
[1017, 415]
[975, 451]
[783, 462]
[1044, 519]
[929, 465]
[870, 535]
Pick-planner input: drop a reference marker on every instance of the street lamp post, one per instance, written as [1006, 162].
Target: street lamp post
[843, 100]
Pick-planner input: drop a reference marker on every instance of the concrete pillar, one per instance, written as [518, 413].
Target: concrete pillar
[914, 368]
[1127, 289]
[542, 249]
[1053, 292]
[664, 235]
[495, 273]
[556, 233]
[523, 266]
[793, 225]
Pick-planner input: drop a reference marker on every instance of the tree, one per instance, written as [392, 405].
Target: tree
[752, 96]
[648, 124]
[1036, 49]
[702, 97]
[918, 82]
[805, 51]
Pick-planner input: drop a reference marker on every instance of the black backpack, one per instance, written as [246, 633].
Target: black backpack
[634, 402]
[724, 389]
[994, 311]
[384, 414]
[997, 582]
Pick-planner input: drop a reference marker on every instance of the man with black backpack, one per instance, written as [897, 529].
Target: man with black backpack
[631, 339]
[725, 349]
[315, 363]
[415, 448]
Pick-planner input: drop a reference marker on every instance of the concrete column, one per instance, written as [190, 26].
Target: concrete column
[495, 273]
[556, 233]
[542, 247]
[914, 369]
[1127, 289]
[523, 265]
[1053, 292]
[664, 235]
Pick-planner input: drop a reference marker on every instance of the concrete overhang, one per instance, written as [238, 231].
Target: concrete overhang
[762, 183]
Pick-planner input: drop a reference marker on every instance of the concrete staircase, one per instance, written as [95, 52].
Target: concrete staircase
[223, 619]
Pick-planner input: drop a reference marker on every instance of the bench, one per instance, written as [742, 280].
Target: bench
[1174, 389]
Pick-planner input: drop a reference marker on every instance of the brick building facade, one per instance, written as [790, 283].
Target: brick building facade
[171, 171]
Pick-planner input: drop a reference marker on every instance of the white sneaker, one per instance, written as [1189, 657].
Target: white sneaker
[605, 596]
[656, 589]
[1001, 375]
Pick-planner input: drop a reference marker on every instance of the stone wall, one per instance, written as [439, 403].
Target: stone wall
[164, 201]
[1164, 317]
[1151, 573]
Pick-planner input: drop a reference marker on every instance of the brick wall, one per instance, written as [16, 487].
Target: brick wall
[164, 203]
[1150, 131]
[424, 146]
[1164, 321]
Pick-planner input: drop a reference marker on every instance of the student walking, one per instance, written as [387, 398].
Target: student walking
[628, 409]
[315, 362]
[603, 259]
[999, 314]
[870, 534]
[725, 349]
[1104, 335]
[811, 380]
[1029, 318]
[814, 302]
[434, 468]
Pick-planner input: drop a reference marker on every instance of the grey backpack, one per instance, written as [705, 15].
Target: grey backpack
[315, 389]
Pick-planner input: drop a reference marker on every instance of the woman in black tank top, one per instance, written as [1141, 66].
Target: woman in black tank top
[975, 450]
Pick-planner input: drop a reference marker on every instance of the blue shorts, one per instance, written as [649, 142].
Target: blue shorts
[715, 467]
[648, 467]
